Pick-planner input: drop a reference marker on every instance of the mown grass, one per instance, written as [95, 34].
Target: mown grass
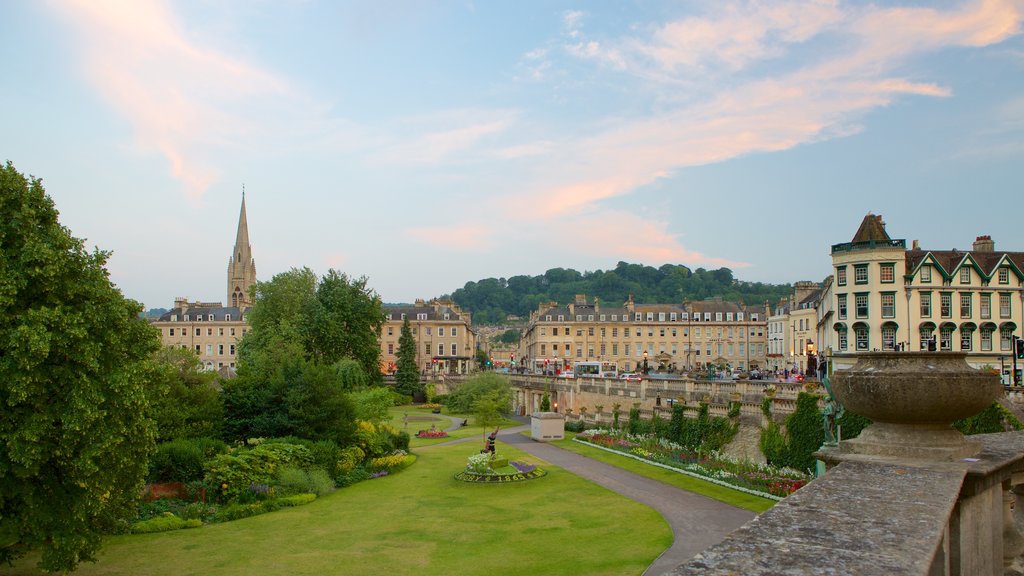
[422, 419]
[420, 521]
[688, 483]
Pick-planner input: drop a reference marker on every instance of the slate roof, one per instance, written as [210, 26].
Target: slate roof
[950, 260]
[872, 229]
[219, 313]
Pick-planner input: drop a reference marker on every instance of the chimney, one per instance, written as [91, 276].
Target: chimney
[581, 299]
[420, 302]
[915, 245]
[181, 303]
[984, 244]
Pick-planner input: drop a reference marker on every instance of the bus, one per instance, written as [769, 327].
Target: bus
[595, 370]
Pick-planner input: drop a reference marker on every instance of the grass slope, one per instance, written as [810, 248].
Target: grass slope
[418, 522]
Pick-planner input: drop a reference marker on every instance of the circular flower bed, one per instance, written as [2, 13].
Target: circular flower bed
[431, 434]
[483, 469]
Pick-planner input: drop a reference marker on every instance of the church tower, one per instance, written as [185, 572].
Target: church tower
[241, 266]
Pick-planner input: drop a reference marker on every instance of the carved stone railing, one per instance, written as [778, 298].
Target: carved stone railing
[882, 510]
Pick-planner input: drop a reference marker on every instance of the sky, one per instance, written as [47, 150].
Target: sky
[427, 144]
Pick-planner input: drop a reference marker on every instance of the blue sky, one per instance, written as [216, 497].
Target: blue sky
[426, 144]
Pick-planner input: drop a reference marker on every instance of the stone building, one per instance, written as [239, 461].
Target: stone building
[668, 337]
[445, 340]
[210, 328]
[886, 297]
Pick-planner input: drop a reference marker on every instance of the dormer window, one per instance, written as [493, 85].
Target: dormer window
[174, 317]
[561, 317]
[209, 317]
[186, 317]
[403, 316]
[227, 317]
[447, 316]
[547, 318]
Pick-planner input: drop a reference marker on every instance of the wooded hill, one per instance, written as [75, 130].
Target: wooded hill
[493, 299]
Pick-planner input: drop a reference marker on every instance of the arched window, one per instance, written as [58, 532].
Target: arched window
[860, 332]
[946, 336]
[927, 330]
[889, 336]
[967, 336]
[986, 336]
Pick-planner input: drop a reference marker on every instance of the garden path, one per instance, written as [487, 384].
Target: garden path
[697, 522]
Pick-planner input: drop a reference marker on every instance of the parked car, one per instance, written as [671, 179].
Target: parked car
[566, 374]
[630, 377]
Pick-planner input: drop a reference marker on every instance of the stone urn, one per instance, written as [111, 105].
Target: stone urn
[913, 398]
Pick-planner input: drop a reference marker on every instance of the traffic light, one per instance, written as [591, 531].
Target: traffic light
[1018, 348]
[512, 359]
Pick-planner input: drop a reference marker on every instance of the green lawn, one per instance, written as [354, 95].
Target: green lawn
[418, 522]
[422, 419]
[688, 483]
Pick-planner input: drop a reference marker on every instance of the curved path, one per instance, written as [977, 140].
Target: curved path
[696, 521]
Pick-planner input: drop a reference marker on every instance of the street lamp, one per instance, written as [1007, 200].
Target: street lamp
[645, 362]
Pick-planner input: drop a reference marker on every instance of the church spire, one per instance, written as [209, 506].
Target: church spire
[241, 265]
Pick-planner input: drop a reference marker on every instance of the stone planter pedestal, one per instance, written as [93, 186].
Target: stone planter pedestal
[547, 426]
[912, 399]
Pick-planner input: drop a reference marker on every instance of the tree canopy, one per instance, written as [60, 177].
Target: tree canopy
[492, 300]
[75, 361]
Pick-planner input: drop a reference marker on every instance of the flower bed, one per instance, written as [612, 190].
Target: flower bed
[431, 434]
[765, 481]
[479, 470]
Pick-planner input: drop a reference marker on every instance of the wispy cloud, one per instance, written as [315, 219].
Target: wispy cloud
[181, 97]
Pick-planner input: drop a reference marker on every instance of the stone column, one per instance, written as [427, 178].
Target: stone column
[1013, 543]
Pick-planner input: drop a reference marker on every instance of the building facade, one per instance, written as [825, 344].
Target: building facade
[886, 297]
[685, 337]
[445, 340]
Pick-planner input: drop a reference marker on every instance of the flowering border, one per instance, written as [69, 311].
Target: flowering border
[686, 472]
[466, 476]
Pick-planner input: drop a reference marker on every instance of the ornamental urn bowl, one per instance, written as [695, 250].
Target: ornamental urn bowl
[912, 399]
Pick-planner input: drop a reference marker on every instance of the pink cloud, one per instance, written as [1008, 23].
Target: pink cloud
[180, 97]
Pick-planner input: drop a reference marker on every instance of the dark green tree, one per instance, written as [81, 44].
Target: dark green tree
[344, 321]
[185, 401]
[407, 378]
[75, 361]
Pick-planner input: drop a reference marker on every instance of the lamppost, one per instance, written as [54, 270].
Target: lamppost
[645, 362]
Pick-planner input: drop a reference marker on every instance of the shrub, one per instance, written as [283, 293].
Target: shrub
[297, 499]
[440, 399]
[291, 481]
[325, 455]
[575, 426]
[232, 475]
[353, 476]
[391, 463]
[348, 459]
[176, 461]
[164, 523]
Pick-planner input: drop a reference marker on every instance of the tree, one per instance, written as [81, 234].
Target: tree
[479, 385]
[185, 401]
[74, 366]
[344, 321]
[407, 379]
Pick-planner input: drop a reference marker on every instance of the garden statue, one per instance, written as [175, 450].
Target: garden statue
[489, 442]
[832, 412]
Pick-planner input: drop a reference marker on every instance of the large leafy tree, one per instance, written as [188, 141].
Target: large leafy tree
[310, 342]
[344, 320]
[75, 359]
[407, 378]
[185, 400]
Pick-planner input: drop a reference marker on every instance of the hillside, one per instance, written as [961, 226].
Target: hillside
[493, 299]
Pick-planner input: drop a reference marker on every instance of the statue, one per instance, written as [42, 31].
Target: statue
[832, 412]
[489, 442]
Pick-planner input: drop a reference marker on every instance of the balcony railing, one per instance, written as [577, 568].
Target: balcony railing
[851, 246]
